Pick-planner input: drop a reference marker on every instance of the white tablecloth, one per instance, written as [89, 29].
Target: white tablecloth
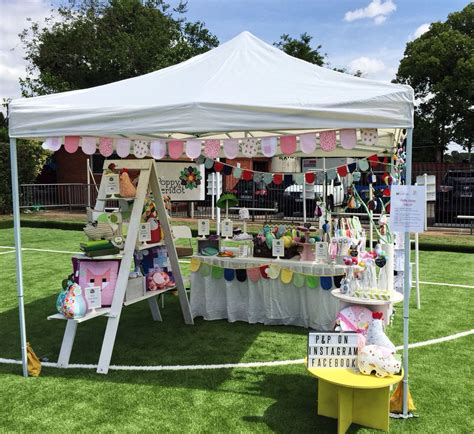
[268, 301]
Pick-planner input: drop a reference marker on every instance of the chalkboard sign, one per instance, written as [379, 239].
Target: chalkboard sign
[332, 350]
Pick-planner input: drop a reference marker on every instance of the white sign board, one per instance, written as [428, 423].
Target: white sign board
[144, 232]
[203, 227]
[179, 182]
[93, 297]
[322, 251]
[332, 350]
[278, 248]
[227, 228]
[407, 208]
[112, 185]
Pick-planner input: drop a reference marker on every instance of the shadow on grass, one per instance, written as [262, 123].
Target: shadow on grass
[141, 341]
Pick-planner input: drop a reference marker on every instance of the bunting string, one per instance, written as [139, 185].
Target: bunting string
[267, 271]
[249, 147]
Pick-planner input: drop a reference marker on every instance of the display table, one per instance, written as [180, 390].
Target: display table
[384, 306]
[349, 397]
[267, 301]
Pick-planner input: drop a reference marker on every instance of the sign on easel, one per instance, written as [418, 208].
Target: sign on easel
[408, 208]
[332, 350]
[278, 248]
[144, 232]
[203, 227]
[227, 228]
[112, 185]
[93, 297]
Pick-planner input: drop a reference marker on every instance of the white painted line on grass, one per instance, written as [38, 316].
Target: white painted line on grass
[226, 365]
[30, 249]
[453, 285]
[5, 253]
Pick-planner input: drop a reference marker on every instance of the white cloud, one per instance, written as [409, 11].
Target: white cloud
[419, 31]
[377, 10]
[13, 21]
[368, 66]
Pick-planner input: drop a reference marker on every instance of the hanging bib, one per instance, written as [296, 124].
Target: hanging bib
[327, 140]
[158, 149]
[140, 148]
[269, 146]
[105, 146]
[89, 145]
[175, 149]
[193, 148]
[231, 148]
[348, 138]
[249, 147]
[212, 148]
[288, 144]
[308, 143]
[123, 147]
[71, 143]
[369, 136]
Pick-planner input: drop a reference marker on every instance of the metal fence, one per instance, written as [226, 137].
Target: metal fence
[70, 196]
[454, 197]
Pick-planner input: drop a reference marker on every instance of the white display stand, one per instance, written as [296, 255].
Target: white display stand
[385, 306]
[147, 181]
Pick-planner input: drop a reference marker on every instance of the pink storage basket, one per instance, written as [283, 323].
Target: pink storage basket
[98, 273]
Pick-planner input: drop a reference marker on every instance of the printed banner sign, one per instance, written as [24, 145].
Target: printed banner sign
[181, 181]
[332, 350]
[408, 208]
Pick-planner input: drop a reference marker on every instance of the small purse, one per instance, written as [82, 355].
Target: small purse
[99, 231]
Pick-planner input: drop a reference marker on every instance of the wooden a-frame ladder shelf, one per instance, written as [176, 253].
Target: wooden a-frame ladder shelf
[147, 181]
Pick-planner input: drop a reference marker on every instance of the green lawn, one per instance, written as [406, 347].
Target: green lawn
[272, 399]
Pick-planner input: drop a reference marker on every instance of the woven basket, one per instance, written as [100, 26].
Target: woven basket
[99, 231]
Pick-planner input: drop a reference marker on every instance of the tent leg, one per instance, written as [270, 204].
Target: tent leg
[406, 280]
[19, 265]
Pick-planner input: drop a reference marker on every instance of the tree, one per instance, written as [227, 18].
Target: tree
[97, 42]
[439, 65]
[301, 48]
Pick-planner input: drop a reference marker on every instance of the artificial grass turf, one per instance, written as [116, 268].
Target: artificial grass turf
[281, 399]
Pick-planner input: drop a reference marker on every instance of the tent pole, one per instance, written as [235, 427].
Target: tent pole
[218, 210]
[19, 266]
[406, 280]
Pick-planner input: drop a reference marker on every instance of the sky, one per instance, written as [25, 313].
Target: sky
[366, 35]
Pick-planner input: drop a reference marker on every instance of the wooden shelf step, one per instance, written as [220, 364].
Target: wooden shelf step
[147, 295]
[92, 314]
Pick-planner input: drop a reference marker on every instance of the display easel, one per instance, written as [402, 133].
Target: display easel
[147, 182]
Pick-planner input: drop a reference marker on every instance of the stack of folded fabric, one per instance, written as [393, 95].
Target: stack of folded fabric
[99, 248]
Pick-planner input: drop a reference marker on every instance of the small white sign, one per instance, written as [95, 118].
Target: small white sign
[407, 208]
[227, 228]
[93, 297]
[144, 232]
[332, 350]
[112, 185]
[203, 227]
[322, 251]
[278, 248]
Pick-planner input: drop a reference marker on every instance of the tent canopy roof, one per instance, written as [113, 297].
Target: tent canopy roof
[244, 86]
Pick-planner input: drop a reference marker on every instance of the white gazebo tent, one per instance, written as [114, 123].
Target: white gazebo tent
[243, 88]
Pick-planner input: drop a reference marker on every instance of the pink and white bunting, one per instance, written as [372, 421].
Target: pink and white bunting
[106, 148]
[89, 145]
[158, 149]
[175, 149]
[308, 143]
[288, 144]
[231, 148]
[212, 148]
[122, 147]
[269, 146]
[71, 144]
[193, 148]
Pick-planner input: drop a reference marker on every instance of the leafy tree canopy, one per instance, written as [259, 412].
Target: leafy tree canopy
[93, 42]
[439, 65]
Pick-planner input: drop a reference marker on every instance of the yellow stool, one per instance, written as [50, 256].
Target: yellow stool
[352, 397]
